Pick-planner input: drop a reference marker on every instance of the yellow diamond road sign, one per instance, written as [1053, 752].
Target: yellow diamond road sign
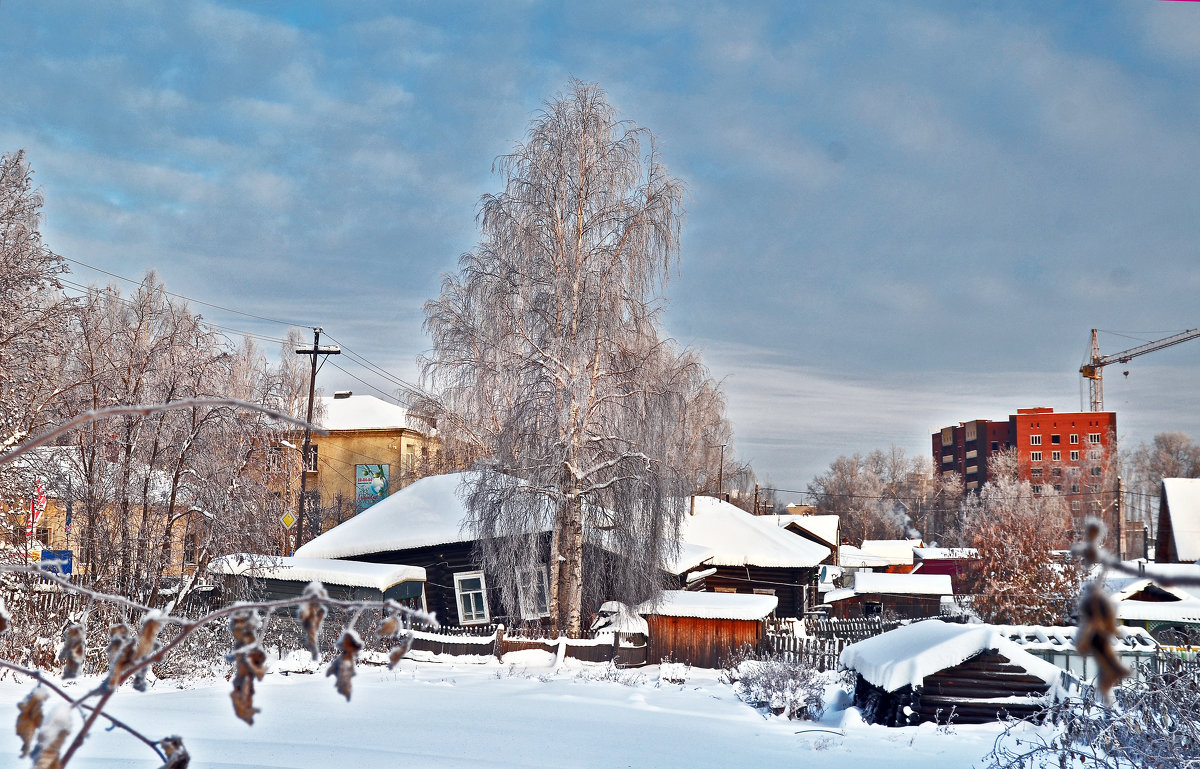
[288, 519]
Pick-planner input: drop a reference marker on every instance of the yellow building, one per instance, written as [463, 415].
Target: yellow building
[374, 448]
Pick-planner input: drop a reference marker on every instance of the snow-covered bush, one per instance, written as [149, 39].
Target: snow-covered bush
[1151, 724]
[772, 683]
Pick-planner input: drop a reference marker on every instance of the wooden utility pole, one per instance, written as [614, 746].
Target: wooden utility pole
[313, 351]
[1121, 518]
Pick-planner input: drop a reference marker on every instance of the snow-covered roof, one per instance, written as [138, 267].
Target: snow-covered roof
[737, 539]
[904, 656]
[690, 556]
[869, 582]
[362, 412]
[1115, 582]
[380, 576]
[1184, 608]
[945, 553]
[898, 551]
[1056, 638]
[854, 557]
[1182, 496]
[823, 527]
[682, 603]
[431, 512]
[428, 512]
[617, 617]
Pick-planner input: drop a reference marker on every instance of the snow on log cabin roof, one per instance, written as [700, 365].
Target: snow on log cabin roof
[906, 655]
[379, 576]
[1180, 506]
[869, 582]
[823, 527]
[362, 412]
[737, 539]
[945, 553]
[427, 512]
[683, 603]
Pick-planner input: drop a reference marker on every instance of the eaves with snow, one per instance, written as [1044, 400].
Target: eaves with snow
[379, 576]
[736, 538]
[684, 603]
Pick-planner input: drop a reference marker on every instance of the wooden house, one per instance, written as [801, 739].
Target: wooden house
[425, 525]
[753, 557]
[1178, 521]
[902, 595]
[704, 629]
[935, 671]
[275, 577]
[961, 564]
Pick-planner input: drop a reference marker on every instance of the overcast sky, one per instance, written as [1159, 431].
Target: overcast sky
[900, 215]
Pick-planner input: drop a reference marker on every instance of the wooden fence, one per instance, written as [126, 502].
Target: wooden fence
[498, 642]
[848, 630]
[819, 653]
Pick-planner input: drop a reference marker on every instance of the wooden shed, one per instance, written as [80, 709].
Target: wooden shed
[904, 595]
[935, 671]
[704, 629]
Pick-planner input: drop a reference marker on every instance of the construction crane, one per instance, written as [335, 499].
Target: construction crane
[1093, 370]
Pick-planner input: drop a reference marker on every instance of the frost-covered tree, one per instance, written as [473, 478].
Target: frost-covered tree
[1023, 576]
[33, 315]
[548, 359]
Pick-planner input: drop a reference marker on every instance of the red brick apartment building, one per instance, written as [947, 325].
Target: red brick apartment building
[1069, 451]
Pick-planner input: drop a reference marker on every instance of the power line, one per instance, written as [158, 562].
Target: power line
[188, 298]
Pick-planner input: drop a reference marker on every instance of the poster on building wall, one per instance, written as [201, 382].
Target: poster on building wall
[370, 485]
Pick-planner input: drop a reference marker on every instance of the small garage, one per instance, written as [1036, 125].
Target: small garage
[704, 629]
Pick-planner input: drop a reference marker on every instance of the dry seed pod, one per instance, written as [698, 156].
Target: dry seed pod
[342, 667]
[51, 736]
[120, 652]
[151, 624]
[177, 755]
[29, 717]
[312, 614]
[400, 649]
[73, 651]
[245, 627]
[5, 617]
[1095, 635]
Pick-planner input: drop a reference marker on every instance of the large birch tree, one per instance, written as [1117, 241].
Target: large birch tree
[548, 359]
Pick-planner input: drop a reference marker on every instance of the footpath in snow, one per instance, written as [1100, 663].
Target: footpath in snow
[464, 714]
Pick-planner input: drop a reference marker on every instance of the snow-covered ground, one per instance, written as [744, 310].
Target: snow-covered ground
[469, 713]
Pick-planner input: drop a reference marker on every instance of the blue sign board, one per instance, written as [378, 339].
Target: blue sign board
[58, 561]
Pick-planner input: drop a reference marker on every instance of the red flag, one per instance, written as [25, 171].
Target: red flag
[37, 506]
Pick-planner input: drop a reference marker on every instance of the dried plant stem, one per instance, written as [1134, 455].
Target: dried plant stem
[143, 410]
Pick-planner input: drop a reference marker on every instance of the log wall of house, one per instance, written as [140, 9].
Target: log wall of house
[908, 606]
[788, 585]
[960, 692]
[701, 642]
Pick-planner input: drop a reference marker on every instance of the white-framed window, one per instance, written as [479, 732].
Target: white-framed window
[533, 593]
[1074, 488]
[1093, 437]
[1093, 453]
[470, 589]
[310, 461]
[1074, 437]
[1035, 456]
[1055, 456]
[1035, 440]
[1037, 488]
[1075, 505]
[1097, 471]
[1035, 472]
[1074, 456]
